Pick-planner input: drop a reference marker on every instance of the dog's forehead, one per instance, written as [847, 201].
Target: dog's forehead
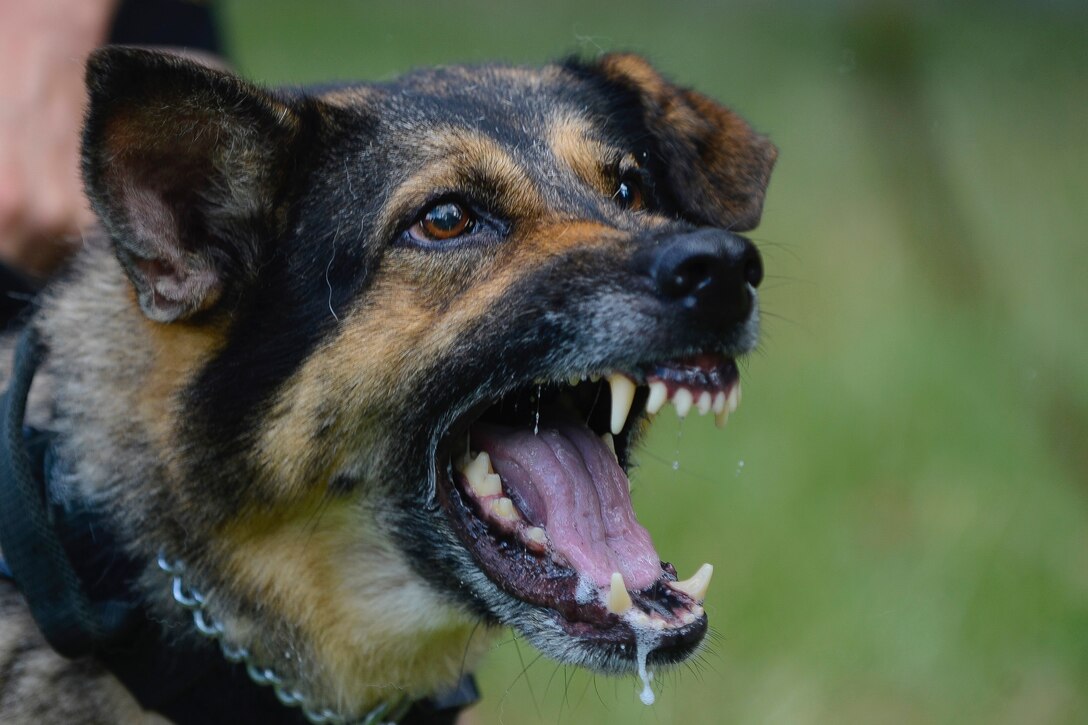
[520, 108]
[524, 141]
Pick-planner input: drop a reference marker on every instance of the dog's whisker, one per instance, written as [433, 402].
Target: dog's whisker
[468, 645]
[525, 672]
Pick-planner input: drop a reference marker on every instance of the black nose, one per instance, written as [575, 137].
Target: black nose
[708, 272]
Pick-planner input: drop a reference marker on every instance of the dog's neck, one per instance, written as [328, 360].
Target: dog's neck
[314, 589]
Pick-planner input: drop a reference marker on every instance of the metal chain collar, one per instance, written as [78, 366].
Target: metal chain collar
[192, 599]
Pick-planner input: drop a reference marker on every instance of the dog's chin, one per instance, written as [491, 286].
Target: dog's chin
[534, 483]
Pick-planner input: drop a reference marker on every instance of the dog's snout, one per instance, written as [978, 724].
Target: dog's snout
[708, 272]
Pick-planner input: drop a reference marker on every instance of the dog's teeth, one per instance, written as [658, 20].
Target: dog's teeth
[619, 601]
[537, 535]
[623, 394]
[477, 468]
[682, 399]
[721, 418]
[704, 403]
[594, 378]
[503, 508]
[609, 442]
[719, 402]
[491, 485]
[734, 397]
[659, 393]
[696, 586]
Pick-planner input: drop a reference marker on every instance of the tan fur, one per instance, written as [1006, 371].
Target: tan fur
[595, 162]
[352, 96]
[457, 154]
[178, 351]
[373, 629]
[378, 348]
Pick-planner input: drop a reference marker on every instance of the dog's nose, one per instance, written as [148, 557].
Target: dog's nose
[708, 272]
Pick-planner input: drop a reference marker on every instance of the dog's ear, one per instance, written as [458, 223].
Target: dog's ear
[717, 166]
[185, 166]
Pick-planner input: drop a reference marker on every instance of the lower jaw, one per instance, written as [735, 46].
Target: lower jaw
[550, 616]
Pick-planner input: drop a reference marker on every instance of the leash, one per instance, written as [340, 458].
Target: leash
[78, 585]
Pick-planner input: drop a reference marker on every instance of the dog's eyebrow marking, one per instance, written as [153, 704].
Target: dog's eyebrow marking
[573, 141]
[457, 159]
[350, 96]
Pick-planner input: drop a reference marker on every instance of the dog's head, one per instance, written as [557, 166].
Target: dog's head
[407, 335]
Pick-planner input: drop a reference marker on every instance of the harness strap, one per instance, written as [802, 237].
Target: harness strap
[71, 624]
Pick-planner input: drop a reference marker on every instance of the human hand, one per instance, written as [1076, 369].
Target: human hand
[43, 47]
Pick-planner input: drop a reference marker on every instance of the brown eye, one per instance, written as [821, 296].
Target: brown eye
[629, 194]
[442, 221]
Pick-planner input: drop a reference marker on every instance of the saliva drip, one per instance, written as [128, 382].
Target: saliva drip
[536, 419]
[676, 451]
[646, 641]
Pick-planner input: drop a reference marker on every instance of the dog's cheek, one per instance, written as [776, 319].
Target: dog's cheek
[355, 404]
[334, 572]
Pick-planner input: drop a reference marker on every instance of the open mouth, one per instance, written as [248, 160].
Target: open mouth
[536, 487]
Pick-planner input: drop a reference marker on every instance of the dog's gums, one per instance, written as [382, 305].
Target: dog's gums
[538, 492]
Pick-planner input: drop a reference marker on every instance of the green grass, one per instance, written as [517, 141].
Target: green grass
[898, 514]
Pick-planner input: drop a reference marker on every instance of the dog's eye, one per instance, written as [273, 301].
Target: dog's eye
[442, 221]
[629, 194]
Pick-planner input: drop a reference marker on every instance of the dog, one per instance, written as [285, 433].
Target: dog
[352, 376]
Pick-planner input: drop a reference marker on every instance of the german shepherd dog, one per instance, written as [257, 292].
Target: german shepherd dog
[353, 375]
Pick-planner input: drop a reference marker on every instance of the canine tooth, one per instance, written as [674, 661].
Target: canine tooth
[721, 418]
[696, 586]
[659, 393]
[608, 441]
[734, 397]
[477, 468]
[619, 601]
[504, 509]
[623, 394]
[536, 535]
[719, 402]
[682, 399]
[704, 403]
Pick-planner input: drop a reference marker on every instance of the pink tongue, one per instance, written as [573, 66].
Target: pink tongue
[565, 479]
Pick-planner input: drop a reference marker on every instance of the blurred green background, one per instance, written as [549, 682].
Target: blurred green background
[898, 513]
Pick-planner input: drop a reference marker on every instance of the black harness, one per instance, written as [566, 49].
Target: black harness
[78, 584]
